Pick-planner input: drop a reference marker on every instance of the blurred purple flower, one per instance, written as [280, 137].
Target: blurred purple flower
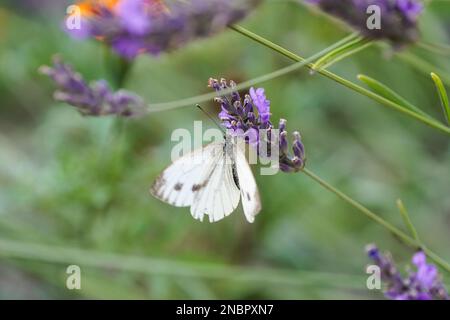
[423, 284]
[95, 99]
[249, 116]
[410, 8]
[133, 16]
[134, 27]
[398, 17]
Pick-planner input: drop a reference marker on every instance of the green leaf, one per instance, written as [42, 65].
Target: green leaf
[389, 94]
[442, 96]
[344, 51]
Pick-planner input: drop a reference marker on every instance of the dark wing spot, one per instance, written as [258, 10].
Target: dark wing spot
[157, 187]
[178, 186]
[197, 187]
[248, 196]
[235, 176]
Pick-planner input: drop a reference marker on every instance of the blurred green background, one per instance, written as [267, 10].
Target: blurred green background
[74, 190]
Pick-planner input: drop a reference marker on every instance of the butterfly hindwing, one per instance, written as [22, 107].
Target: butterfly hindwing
[251, 202]
[219, 195]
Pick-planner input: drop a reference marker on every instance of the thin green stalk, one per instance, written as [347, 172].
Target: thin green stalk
[373, 216]
[407, 220]
[192, 101]
[411, 59]
[385, 102]
[117, 67]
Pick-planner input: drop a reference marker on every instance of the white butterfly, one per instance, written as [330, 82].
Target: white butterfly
[210, 181]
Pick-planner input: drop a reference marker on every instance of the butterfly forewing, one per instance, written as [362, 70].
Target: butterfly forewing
[202, 180]
[178, 183]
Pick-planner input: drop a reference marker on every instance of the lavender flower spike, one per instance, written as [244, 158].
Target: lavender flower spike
[423, 284]
[96, 99]
[249, 116]
[398, 17]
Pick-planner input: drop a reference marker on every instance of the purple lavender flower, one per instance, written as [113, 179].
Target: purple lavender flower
[133, 27]
[95, 99]
[261, 103]
[422, 284]
[250, 116]
[410, 8]
[133, 16]
[398, 17]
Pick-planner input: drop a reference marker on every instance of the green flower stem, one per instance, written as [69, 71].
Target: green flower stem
[192, 101]
[394, 230]
[117, 67]
[413, 60]
[385, 102]
[407, 220]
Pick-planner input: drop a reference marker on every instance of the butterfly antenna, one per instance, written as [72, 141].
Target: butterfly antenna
[211, 118]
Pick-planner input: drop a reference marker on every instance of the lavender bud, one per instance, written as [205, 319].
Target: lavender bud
[283, 142]
[251, 118]
[282, 125]
[297, 147]
[213, 83]
[238, 108]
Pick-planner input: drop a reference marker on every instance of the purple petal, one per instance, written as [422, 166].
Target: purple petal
[133, 16]
[261, 103]
[128, 47]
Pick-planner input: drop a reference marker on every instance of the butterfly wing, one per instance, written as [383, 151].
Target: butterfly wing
[218, 195]
[202, 180]
[251, 202]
